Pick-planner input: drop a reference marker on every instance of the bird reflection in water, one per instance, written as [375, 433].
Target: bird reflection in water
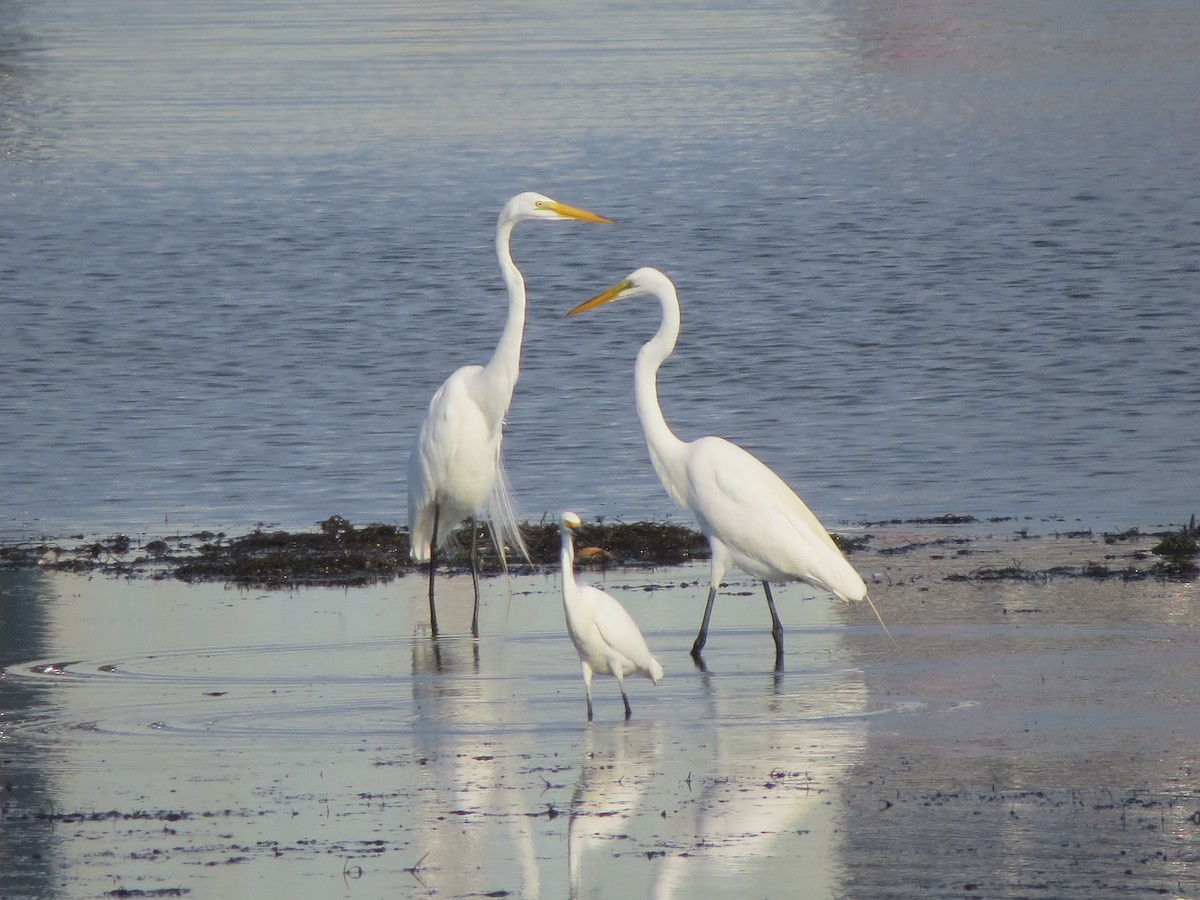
[468, 801]
[617, 769]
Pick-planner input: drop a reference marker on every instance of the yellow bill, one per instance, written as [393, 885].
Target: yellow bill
[574, 212]
[613, 293]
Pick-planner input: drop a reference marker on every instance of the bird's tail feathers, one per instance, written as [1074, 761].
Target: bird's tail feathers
[656, 670]
[503, 521]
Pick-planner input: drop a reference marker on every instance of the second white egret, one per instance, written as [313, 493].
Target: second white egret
[752, 519]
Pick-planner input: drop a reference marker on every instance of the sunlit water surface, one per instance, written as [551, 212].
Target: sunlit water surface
[933, 257]
[157, 736]
[336, 734]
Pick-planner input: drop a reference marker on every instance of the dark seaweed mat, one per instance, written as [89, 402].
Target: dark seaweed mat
[338, 553]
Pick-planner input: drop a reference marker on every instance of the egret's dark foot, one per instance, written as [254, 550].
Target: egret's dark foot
[628, 711]
[699, 661]
[433, 625]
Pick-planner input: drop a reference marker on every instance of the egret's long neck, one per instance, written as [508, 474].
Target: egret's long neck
[568, 568]
[505, 364]
[667, 452]
[568, 553]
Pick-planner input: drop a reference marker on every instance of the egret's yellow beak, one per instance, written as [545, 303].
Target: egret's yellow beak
[613, 293]
[583, 215]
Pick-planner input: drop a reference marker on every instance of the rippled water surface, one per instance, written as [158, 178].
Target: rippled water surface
[933, 257]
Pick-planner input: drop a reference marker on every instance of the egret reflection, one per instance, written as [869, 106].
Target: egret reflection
[708, 808]
[616, 770]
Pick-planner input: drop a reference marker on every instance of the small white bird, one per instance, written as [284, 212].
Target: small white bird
[605, 636]
[752, 519]
[455, 468]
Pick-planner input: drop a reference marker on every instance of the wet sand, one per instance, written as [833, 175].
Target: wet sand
[1033, 735]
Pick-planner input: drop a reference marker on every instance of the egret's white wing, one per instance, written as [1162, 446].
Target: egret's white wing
[768, 529]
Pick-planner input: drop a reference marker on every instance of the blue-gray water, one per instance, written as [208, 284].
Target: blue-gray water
[934, 257]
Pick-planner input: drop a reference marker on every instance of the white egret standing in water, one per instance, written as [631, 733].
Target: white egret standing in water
[455, 468]
[605, 636]
[751, 518]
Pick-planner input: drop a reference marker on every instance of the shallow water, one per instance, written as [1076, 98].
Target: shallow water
[1032, 738]
[338, 734]
[943, 257]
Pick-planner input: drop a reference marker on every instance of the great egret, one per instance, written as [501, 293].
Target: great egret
[455, 469]
[605, 636]
[751, 518]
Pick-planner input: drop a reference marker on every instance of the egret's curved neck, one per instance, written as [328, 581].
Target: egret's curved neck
[666, 450]
[505, 364]
[568, 554]
[570, 590]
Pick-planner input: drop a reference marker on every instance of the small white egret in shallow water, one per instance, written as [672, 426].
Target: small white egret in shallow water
[751, 518]
[605, 636]
[455, 468]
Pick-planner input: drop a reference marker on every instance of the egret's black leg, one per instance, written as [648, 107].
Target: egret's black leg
[621, 685]
[432, 569]
[587, 687]
[475, 576]
[776, 626]
[702, 637]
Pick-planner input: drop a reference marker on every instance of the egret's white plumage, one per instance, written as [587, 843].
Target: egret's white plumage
[752, 519]
[455, 468]
[605, 636]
